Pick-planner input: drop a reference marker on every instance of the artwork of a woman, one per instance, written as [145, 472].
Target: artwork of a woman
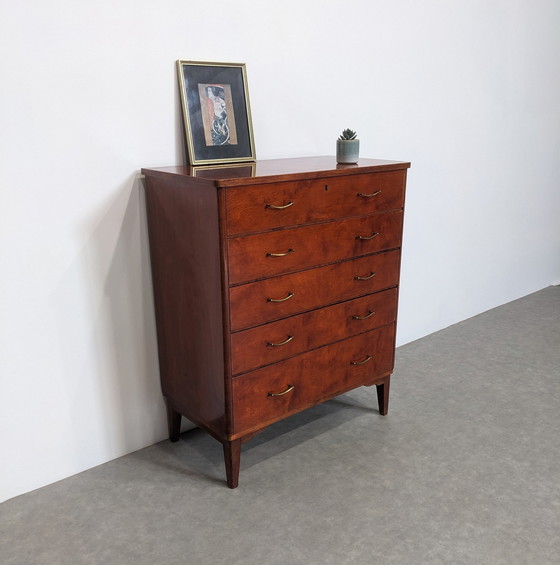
[217, 115]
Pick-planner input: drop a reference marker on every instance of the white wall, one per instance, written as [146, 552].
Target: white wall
[465, 89]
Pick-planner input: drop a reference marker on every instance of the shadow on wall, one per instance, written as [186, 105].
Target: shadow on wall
[128, 288]
[110, 396]
[130, 385]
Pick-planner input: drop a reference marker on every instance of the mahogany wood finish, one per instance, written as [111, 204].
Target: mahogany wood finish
[269, 343]
[252, 304]
[316, 376]
[277, 252]
[252, 208]
[275, 288]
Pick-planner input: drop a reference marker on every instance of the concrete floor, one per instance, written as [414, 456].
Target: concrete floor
[465, 469]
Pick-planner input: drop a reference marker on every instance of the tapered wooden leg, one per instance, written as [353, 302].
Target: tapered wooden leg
[383, 396]
[232, 459]
[173, 422]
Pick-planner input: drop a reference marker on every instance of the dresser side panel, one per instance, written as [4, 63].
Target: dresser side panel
[183, 226]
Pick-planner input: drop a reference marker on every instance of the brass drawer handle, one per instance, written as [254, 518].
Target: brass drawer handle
[368, 358]
[287, 340]
[365, 277]
[369, 195]
[274, 207]
[280, 254]
[368, 315]
[289, 295]
[374, 234]
[290, 388]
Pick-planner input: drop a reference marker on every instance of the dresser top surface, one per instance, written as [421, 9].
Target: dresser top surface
[274, 170]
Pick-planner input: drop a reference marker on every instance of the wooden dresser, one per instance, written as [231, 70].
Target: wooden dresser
[275, 288]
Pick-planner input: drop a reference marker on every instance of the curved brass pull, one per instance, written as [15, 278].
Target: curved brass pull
[369, 195]
[287, 340]
[290, 294]
[374, 234]
[274, 207]
[368, 358]
[290, 388]
[280, 254]
[366, 277]
[368, 315]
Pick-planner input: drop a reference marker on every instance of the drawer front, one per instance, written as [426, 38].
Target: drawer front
[314, 376]
[283, 251]
[279, 340]
[256, 303]
[259, 208]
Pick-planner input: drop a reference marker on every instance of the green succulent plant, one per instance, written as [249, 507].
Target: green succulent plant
[348, 134]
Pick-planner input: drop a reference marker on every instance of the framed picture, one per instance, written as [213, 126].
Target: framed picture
[216, 112]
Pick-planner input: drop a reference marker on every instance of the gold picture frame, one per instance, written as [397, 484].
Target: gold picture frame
[216, 112]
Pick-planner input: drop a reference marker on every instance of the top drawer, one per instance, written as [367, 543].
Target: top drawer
[282, 204]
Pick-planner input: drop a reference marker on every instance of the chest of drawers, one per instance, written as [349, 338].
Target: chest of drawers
[275, 288]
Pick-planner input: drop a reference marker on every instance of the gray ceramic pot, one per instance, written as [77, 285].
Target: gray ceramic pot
[347, 150]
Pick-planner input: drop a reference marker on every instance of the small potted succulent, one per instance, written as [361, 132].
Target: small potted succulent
[347, 147]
